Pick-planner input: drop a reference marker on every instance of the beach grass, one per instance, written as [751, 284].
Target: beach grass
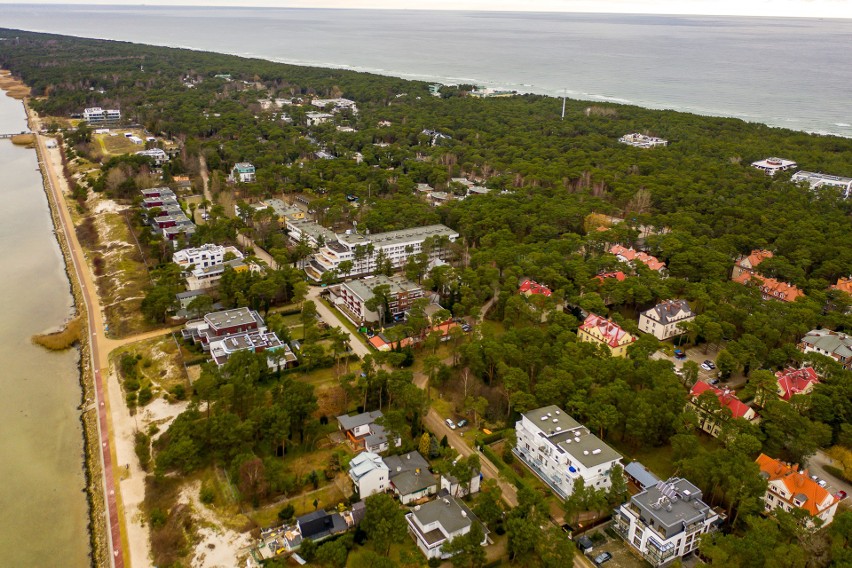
[63, 339]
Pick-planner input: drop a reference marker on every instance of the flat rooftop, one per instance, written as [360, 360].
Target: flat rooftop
[570, 437]
[402, 236]
[230, 318]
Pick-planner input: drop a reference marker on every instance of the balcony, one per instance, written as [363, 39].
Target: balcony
[658, 553]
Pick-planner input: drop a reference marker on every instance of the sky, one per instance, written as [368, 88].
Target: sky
[775, 8]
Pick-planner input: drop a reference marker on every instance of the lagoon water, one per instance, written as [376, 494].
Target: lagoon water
[44, 515]
[793, 73]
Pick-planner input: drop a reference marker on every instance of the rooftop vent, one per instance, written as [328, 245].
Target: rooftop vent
[585, 452]
[555, 420]
[464, 514]
[596, 452]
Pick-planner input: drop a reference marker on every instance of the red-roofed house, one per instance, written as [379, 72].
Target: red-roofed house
[796, 381]
[746, 264]
[771, 288]
[732, 407]
[604, 332]
[788, 489]
[617, 275]
[531, 287]
[629, 256]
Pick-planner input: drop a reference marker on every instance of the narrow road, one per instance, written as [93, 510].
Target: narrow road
[331, 318]
[816, 466]
[98, 356]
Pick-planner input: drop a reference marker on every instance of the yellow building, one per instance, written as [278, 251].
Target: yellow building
[284, 212]
[604, 332]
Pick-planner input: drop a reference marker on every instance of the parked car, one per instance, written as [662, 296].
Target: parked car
[679, 354]
[713, 381]
[822, 483]
[466, 328]
[710, 364]
[603, 557]
[706, 367]
[461, 423]
[450, 423]
[840, 495]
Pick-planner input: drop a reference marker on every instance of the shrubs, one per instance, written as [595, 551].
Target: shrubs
[142, 447]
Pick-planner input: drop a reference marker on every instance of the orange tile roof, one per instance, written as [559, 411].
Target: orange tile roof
[617, 275]
[629, 255]
[772, 288]
[844, 285]
[796, 483]
[757, 256]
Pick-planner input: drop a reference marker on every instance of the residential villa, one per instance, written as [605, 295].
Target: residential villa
[642, 141]
[366, 251]
[630, 256]
[283, 211]
[363, 433]
[711, 421]
[788, 489]
[843, 285]
[832, 344]
[351, 297]
[772, 165]
[817, 181]
[204, 256]
[243, 172]
[533, 288]
[98, 115]
[747, 264]
[410, 477]
[157, 155]
[438, 522]
[369, 474]
[663, 320]
[665, 521]
[560, 450]
[337, 104]
[602, 331]
[617, 275]
[793, 382]
[205, 278]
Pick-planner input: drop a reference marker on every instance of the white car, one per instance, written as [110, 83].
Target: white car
[450, 423]
[706, 367]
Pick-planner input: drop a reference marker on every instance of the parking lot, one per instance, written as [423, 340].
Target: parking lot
[622, 557]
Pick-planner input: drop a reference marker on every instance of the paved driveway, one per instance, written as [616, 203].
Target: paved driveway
[816, 466]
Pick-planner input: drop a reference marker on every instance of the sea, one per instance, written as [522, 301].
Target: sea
[784, 72]
[43, 507]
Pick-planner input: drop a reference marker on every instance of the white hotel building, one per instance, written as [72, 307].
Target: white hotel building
[560, 450]
[204, 256]
[364, 251]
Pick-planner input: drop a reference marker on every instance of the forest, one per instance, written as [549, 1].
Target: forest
[562, 193]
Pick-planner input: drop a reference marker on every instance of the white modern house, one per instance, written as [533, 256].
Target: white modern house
[772, 165]
[98, 115]
[366, 251]
[203, 256]
[560, 450]
[461, 488]
[817, 181]
[315, 118]
[662, 320]
[438, 522]
[641, 141]
[243, 172]
[369, 474]
[665, 521]
[158, 155]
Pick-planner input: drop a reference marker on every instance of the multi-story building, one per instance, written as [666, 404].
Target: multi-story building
[772, 165]
[158, 155]
[315, 118]
[351, 297]
[770, 288]
[310, 231]
[532, 288]
[712, 420]
[337, 104]
[243, 172]
[642, 141]
[369, 474]
[410, 477]
[817, 181]
[221, 324]
[796, 381]
[438, 522]
[560, 450]
[98, 115]
[283, 211]
[204, 256]
[602, 331]
[832, 344]
[665, 521]
[747, 264]
[205, 278]
[662, 321]
[631, 256]
[365, 252]
[364, 433]
[788, 489]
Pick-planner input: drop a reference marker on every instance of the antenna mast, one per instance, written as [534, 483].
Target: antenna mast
[563, 103]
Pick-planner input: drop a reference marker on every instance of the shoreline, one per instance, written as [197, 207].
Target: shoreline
[92, 464]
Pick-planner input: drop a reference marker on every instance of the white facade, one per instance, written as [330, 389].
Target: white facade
[157, 154]
[315, 118]
[461, 489]
[665, 521]
[772, 165]
[817, 180]
[369, 474]
[203, 256]
[95, 115]
[438, 522]
[243, 172]
[365, 251]
[642, 141]
[662, 320]
[560, 450]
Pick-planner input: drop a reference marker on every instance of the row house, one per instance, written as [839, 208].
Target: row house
[770, 288]
[788, 489]
[664, 320]
[366, 251]
[665, 521]
[602, 331]
[632, 256]
[560, 450]
[748, 263]
[832, 344]
[712, 421]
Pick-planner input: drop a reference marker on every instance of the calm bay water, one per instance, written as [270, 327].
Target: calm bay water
[793, 73]
[44, 515]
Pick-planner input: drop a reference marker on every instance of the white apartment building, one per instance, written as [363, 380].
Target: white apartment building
[157, 154]
[369, 474]
[244, 172]
[665, 521]
[560, 450]
[662, 320]
[817, 180]
[203, 256]
[438, 522]
[312, 232]
[365, 251]
[97, 115]
[315, 118]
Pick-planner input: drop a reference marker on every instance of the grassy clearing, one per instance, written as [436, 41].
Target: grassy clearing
[659, 460]
[61, 340]
[159, 366]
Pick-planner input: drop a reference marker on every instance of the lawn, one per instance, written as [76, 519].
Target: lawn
[405, 554]
[659, 460]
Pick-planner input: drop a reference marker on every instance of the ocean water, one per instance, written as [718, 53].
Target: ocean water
[793, 73]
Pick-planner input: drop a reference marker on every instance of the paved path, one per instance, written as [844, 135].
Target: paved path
[816, 466]
[98, 357]
[331, 318]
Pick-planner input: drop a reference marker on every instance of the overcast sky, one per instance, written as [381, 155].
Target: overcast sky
[801, 8]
